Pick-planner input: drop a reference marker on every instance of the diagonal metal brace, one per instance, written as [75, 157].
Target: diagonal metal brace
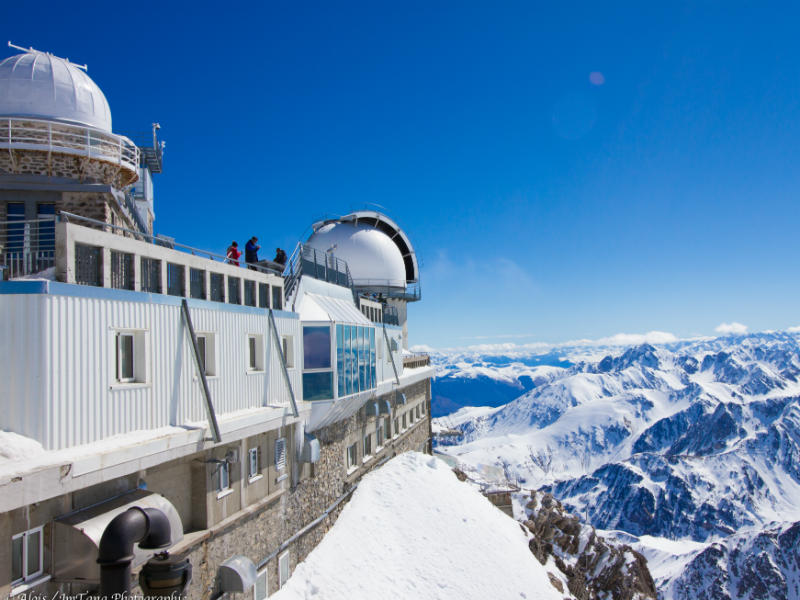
[279, 346]
[212, 417]
[389, 350]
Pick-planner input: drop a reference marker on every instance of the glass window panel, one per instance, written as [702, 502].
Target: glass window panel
[350, 358]
[277, 297]
[249, 292]
[197, 283]
[372, 377]
[15, 231]
[217, 287]
[340, 360]
[16, 558]
[263, 295]
[201, 347]
[318, 386]
[176, 278]
[362, 359]
[125, 357]
[317, 347]
[251, 344]
[34, 553]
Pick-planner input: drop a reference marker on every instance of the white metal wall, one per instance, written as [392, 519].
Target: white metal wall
[61, 366]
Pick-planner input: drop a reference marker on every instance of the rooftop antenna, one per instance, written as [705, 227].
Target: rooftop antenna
[32, 49]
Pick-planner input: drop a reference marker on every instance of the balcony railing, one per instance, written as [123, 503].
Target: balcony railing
[27, 247]
[416, 360]
[47, 136]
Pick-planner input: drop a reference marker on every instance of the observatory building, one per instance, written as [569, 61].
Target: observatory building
[243, 405]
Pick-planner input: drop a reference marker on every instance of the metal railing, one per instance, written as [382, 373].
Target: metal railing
[263, 266]
[27, 247]
[409, 291]
[416, 360]
[21, 133]
[309, 261]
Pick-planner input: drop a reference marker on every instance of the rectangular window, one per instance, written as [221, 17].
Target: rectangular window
[349, 360]
[176, 280]
[280, 454]
[125, 358]
[379, 436]
[387, 427]
[255, 352]
[27, 555]
[217, 285]
[341, 389]
[263, 295]
[249, 292]
[405, 421]
[254, 462]
[197, 283]
[260, 588]
[234, 296]
[352, 455]
[122, 270]
[367, 445]
[150, 275]
[277, 297]
[283, 569]
[206, 349]
[318, 385]
[88, 265]
[287, 343]
[223, 476]
[396, 426]
[317, 347]
[372, 365]
[362, 360]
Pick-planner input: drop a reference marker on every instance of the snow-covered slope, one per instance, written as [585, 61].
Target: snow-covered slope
[692, 441]
[412, 530]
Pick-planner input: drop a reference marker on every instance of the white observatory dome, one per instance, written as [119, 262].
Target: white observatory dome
[373, 258]
[40, 85]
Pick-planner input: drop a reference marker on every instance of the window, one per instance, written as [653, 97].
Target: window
[249, 292]
[197, 283]
[352, 455]
[150, 275]
[129, 364]
[234, 295]
[417, 411]
[254, 463]
[317, 375]
[280, 454]
[217, 284]
[283, 569]
[277, 297]
[367, 445]
[125, 357]
[255, 352]
[405, 422]
[15, 232]
[263, 295]
[379, 436]
[176, 280]
[223, 478]
[207, 351]
[387, 427]
[122, 270]
[260, 588]
[396, 426]
[27, 556]
[89, 265]
[287, 343]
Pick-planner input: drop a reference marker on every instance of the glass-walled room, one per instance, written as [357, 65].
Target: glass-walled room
[355, 361]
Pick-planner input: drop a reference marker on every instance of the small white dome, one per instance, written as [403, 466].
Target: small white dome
[373, 258]
[43, 86]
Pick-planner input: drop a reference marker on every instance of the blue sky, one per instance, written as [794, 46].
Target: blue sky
[545, 203]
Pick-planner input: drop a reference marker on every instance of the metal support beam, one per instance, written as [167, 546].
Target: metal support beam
[389, 350]
[212, 417]
[276, 337]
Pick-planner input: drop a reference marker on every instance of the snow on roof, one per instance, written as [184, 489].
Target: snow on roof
[412, 530]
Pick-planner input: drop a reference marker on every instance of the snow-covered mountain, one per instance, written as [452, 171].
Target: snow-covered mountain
[693, 441]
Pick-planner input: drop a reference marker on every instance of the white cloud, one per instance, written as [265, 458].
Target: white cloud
[731, 328]
[634, 339]
[422, 348]
[795, 329]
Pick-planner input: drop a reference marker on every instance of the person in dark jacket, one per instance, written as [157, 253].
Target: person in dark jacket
[251, 249]
[280, 256]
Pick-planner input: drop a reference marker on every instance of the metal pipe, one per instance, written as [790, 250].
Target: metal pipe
[148, 526]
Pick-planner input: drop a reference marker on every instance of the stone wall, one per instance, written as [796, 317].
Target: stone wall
[259, 530]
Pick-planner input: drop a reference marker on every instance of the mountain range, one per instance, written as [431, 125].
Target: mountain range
[689, 452]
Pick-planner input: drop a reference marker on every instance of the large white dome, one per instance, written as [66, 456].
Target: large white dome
[373, 258]
[40, 85]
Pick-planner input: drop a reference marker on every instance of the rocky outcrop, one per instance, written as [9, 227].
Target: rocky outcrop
[593, 567]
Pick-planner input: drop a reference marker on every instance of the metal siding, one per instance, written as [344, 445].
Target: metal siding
[61, 364]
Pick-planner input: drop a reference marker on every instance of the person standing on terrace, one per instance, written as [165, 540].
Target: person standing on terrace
[251, 252]
[233, 253]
